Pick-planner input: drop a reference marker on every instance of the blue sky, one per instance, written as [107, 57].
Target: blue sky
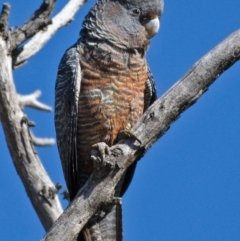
[187, 187]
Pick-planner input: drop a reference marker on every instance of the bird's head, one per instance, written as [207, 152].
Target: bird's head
[128, 24]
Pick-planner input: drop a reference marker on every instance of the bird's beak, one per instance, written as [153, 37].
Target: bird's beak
[152, 27]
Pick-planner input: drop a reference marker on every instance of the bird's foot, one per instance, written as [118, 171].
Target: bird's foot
[112, 201]
[129, 134]
[107, 206]
[99, 154]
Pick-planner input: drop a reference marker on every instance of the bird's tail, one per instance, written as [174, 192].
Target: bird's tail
[108, 228]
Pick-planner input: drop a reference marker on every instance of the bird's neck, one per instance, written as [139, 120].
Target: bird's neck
[106, 56]
[107, 47]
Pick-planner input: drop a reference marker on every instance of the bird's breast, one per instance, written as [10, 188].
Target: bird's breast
[111, 97]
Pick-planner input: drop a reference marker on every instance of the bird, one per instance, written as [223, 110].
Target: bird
[103, 87]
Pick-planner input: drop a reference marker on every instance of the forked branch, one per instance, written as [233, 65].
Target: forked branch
[31, 100]
[14, 52]
[38, 21]
[64, 17]
[153, 124]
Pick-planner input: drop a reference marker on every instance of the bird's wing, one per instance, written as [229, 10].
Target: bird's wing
[150, 94]
[66, 110]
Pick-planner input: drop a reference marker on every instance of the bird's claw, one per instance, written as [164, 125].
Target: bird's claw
[112, 201]
[99, 152]
[130, 134]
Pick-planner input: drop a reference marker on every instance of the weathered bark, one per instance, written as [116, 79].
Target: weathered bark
[38, 21]
[154, 123]
[31, 101]
[4, 20]
[13, 53]
[39, 187]
[62, 19]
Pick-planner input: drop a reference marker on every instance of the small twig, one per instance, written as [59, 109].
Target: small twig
[38, 21]
[31, 101]
[42, 141]
[40, 39]
[4, 19]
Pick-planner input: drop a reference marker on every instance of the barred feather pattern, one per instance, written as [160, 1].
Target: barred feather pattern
[103, 86]
[114, 88]
[111, 97]
[67, 91]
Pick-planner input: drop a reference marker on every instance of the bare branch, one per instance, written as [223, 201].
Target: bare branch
[154, 123]
[39, 187]
[42, 141]
[31, 101]
[40, 39]
[38, 21]
[4, 20]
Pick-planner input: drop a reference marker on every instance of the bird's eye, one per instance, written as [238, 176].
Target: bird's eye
[136, 11]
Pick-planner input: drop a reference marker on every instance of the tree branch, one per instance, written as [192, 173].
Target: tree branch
[31, 101]
[4, 19]
[41, 141]
[38, 185]
[37, 22]
[154, 123]
[40, 39]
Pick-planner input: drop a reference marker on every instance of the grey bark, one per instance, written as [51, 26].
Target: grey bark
[39, 187]
[99, 189]
[63, 18]
[37, 22]
[13, 53]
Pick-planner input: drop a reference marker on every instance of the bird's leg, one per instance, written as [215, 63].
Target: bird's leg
[106, 206]
[128, 134]
[99, 152]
